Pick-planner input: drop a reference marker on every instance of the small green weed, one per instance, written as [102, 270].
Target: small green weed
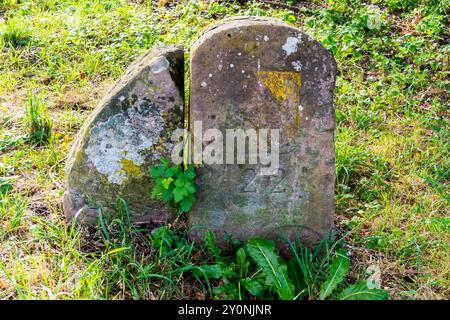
[12, 207]
[40, 125]
[15, 34]
[5, 185]
[173, 185]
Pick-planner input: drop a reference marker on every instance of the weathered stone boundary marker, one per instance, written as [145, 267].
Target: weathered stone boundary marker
[127, 132]
[248, 73]
[264, 74]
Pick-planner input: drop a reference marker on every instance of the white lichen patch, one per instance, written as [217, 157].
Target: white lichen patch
[291, 45]
[123, 137]
[159, 65]
[297, 65]
[324, 93]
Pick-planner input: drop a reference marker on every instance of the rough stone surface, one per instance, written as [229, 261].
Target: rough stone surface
[128, 131]
[264, 74]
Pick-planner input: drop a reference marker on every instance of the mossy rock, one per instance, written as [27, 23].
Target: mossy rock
[127, 132]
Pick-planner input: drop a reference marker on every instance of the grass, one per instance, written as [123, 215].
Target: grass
[392, 145]
[40, 124]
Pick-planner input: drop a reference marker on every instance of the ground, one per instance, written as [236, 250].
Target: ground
[392, 139]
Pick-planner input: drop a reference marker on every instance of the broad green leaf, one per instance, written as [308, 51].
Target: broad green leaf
[179, 194]
[167, 196]
[190, 173]
[189, 187]
[360, 291]
[253, 286]
[240, 256]
[172, 171]
[187, 203]
[338, 271]
[241, 259]
[156, 171]
[180, 182]
[263, 253]
[211, 271]
[296, 275]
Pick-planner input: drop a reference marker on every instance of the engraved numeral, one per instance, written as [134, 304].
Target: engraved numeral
[279, 186]
[251, 181]
[252, 174]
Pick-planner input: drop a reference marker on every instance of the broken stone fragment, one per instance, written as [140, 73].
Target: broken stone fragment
[126, 133]
[256, 73]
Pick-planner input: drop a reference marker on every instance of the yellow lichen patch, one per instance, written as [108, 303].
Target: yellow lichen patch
[130, 168]
[79, 156]
[285, 88]
[282, 84]
[250, 46]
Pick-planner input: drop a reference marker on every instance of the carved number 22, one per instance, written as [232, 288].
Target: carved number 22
[251, 185]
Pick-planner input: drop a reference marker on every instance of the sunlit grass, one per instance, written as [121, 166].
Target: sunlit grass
[391, 140]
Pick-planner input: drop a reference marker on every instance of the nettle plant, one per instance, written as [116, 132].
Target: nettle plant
[173, 185]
